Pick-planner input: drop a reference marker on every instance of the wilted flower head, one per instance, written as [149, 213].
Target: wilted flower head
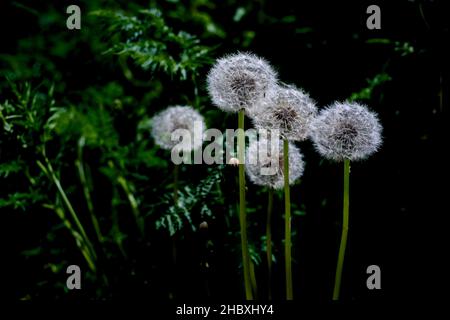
[262, 158]
[240, 81]
[346, 131]
[288, 109]
[177, 117]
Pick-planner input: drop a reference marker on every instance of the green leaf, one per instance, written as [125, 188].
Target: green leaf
[239, 14]
[11, 167]
[21, 200]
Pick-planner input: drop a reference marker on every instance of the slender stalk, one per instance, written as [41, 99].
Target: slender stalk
[133, 203]
[287, 221]
[269, 243]
[343, 245]
[204, 250]
[176, 171]
[131, 199]
[115, 222]
[242, 209]
[69, 206]
[173, 280]
[77, 237]
[253, 280]
[87, 194]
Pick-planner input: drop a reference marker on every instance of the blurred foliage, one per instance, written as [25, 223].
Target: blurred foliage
[55, 147]
[177, 54]
[366, 93]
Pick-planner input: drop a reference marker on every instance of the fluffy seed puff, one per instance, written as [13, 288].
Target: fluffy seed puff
[346, 131]
[240, 81]
[288, 109]
[177, 117]
[265, 163]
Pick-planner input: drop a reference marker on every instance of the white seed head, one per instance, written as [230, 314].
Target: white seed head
[240, 81]
[346, 131]
[288, 109]
[234, 162]
[261, 158]
[173, 118]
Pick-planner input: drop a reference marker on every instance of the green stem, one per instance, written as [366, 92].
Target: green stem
[174, 237]
[253, 279]
[79, 240]
[173, 280]
[77, 237]
[343, 245]
[117, 234]
[242, 214]
[175, 184]
[287, 221]
[133, 203]
[69, 206]
[131, 199]
[87, 195]
[269, 243]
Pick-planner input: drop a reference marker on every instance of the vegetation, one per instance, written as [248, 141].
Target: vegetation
[82, 181]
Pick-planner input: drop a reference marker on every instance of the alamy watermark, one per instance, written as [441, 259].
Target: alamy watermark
[221, 146]
[74, 19]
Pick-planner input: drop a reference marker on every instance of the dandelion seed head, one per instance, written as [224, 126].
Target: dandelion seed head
[260, 155]
[288, 109]
[240, 81]
[234, 162]
[346, 131]
[173, 118]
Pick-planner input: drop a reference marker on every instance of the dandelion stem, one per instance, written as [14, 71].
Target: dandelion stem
[340, 263]
[175, 184]
[176, 171]
[287, 221]
[269, 243]
[253, 279]
[242, 214]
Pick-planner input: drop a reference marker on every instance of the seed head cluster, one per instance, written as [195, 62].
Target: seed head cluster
[288, 109]
[177, 117]
[260, 155]
[240, 81]
[346, 131]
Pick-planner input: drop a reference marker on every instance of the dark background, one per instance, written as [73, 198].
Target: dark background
[396, 211]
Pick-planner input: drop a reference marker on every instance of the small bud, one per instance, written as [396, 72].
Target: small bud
[234, 162]
[117, 104]
[204, 225]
